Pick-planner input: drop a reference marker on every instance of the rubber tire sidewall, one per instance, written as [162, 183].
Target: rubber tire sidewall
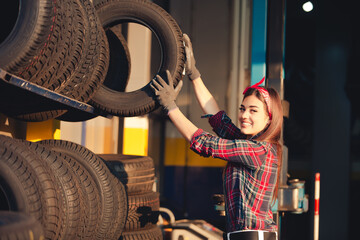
[25, 35]
[20, 226]
[113, 196]
[141, 101]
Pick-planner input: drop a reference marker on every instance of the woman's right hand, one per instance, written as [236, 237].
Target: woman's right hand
[191, 71]
[166, 92]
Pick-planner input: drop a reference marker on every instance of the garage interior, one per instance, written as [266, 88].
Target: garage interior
[310, 57]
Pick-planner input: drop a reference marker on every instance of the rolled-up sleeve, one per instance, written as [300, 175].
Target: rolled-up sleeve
[247, 152]
[224, 127]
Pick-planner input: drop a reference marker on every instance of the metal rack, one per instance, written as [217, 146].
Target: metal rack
[21, 96]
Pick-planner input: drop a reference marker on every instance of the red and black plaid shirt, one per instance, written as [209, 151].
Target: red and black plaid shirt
[250, 174]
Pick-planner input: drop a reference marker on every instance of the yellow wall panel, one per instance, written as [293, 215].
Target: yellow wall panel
[177, 153]
[135, 141]
[37, 131]
[196, 160]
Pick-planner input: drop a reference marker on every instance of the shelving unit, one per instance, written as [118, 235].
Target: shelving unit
[18, 95]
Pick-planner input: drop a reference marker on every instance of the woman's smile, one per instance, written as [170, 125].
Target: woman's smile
[245, 124]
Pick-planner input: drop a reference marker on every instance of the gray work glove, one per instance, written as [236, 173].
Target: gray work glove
[190, 67]
[166, 93]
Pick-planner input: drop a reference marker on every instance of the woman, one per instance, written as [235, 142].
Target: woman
[253, 152]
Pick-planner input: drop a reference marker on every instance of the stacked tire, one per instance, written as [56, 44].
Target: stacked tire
[137, 173]
[17, 225]
[73, 48]
[65, 187]
[59, 45]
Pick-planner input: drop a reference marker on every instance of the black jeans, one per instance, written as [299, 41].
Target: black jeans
[251, 235]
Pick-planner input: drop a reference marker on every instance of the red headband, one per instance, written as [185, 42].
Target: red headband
[263, 92]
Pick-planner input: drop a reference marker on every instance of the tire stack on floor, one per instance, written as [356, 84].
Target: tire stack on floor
[63, 186]
[137, 173]
[17, 225]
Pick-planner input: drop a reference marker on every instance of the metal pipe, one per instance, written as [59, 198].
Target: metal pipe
[317, 205]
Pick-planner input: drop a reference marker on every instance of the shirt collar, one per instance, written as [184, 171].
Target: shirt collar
[257, 135]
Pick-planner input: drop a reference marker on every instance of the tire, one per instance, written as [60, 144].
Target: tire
[118, 74]
[64, 50]
[94, 61]
[87, 209]
[30, 45]
[168, 33]
[27, 186]
[153, 233]
[80, 66]
[73, 60]
[19, 226]
[118, 69]
[35, 23]
[91, 199]
[63, 60]
[143, 211]
[69, 187]
[137, 173]
[112, 192]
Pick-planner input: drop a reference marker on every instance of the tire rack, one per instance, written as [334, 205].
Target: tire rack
[17, 91]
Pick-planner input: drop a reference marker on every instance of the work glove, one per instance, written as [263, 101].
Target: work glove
[166, 93]
[190, 68]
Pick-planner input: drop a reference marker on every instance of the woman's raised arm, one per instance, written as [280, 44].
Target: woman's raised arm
[207, 102]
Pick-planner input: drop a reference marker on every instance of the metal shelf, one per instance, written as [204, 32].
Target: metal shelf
[21, 96]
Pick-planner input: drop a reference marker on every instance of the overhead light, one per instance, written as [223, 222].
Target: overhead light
[308, 6]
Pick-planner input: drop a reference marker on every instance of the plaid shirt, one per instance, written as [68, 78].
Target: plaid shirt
[249, 177]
